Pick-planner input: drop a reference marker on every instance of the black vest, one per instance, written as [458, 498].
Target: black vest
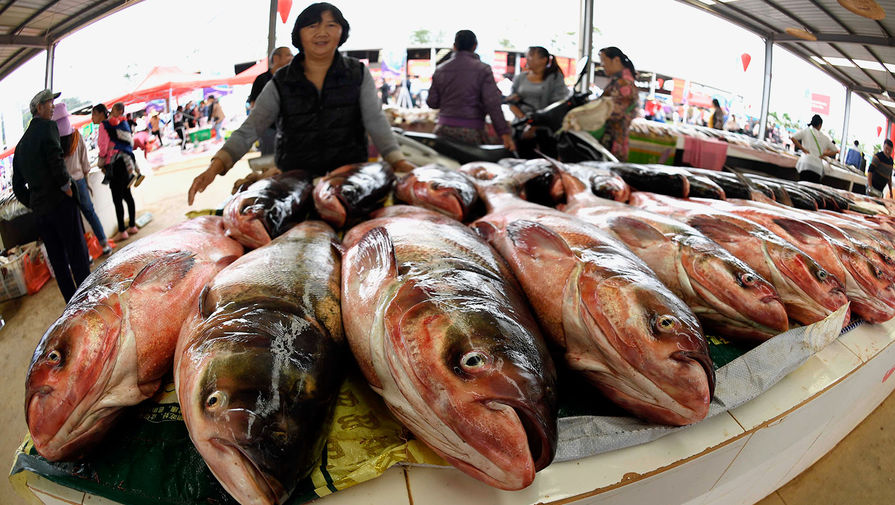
[319, 132]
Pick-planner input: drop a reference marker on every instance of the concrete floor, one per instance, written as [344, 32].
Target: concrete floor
[860, 470]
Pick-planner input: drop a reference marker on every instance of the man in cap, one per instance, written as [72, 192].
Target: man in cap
[41, 182]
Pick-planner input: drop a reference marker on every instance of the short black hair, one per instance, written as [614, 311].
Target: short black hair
[314, 14]
[465, 40]
[856, 143]
[816, 120]
[101, 108]
[888, 142]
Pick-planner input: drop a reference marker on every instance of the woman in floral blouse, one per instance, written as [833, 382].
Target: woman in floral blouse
[624, 97]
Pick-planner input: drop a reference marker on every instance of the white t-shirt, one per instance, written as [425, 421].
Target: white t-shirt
[806, 138]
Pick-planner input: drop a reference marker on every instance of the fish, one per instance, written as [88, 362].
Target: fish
[353, 191]
[268, 207]
[704, 187]
[866, 275]
[808, 291]
[440, 189]
[616, 323]
[110, 349]
[655, 178]
[729, 297]
[442, 332]
[731, 186]
[260, 361]
[603, 182]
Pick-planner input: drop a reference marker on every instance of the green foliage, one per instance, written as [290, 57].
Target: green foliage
[421, 37]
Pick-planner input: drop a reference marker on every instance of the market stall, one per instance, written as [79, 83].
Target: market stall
[630, 452]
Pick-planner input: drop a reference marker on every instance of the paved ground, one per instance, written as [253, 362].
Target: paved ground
[861, 470]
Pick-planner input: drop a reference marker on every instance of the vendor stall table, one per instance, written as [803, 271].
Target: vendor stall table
[737, 457]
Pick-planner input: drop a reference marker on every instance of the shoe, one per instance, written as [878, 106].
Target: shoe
[133, 230]
[107, 249]
[106, 179]
[139, 180]
[123, 235]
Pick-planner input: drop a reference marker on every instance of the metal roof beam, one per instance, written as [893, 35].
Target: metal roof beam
[7, 6]
[838, 37]
[32, 17]
[24, 41]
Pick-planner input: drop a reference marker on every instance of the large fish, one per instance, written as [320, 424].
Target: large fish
[440, 189]
[662, 179]
[353, 191]
[616, 323]
[115, 340]
[259, 364]
[442, 332]
[268, 208]
[603, 182]
[728, 296]
[808, 291]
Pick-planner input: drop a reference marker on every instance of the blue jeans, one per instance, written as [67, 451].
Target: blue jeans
[218, 125]
[89, 213]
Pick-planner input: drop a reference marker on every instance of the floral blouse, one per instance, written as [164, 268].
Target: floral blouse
[625, 104]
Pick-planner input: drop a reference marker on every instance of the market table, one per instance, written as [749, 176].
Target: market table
[739, 456]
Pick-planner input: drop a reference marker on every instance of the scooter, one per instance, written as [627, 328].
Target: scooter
[570, 146]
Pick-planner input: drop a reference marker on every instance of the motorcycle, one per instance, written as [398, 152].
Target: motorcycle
[566, 145]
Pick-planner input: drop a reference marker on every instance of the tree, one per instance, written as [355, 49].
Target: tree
[505, 44]
[421, 37]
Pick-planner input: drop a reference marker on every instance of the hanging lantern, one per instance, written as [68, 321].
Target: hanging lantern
[284, 7]
[746, 58]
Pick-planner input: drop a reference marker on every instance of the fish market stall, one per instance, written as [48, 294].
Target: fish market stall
[663, 334]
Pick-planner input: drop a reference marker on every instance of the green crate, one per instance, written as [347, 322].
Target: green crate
[200, 135]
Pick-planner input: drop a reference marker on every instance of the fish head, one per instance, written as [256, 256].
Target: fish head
[476, 385]
[68, 373]
[655, 357]
[244, 220]
[816, 282]
[329, 202]
[257, 399]
[735, 288]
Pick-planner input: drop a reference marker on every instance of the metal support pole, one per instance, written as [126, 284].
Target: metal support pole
[271, 29]
[843, 146]
[586, 38]
[766, 91]
[51, 57]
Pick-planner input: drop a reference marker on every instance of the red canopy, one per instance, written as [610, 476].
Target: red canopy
[164, 82]
[248, 75]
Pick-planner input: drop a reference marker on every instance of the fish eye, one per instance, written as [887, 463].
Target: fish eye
[822, 275]
[666, 323]
[216, 400]
[474, 361]
[54, 357]
[748, 279]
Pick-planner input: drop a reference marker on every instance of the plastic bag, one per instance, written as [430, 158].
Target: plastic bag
[37, 273]
[93, 247]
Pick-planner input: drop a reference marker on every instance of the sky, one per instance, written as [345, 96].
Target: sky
[665, 36]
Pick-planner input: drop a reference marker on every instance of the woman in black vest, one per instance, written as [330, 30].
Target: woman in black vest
[324, 106]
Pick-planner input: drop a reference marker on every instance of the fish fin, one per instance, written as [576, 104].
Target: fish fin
[803, 231]
[168, 268]
[635, 232]
[717, 229]
[484, 229]
[374, 255]
[535, 240]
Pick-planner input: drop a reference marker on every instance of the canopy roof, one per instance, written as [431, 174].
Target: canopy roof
[857, 51]
[28, 27]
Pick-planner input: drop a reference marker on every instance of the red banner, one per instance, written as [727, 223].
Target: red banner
[820, 104]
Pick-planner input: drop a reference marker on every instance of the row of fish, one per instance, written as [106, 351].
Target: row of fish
[444, 326]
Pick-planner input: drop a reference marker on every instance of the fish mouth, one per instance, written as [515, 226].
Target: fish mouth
[269, 489]
[86, 431]
[704, 361]
[541, 442]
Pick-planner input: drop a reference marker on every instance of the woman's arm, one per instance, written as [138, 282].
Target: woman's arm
[102, 142]
[558, 89]
[81, 153]
[375, 122]
[265, 113]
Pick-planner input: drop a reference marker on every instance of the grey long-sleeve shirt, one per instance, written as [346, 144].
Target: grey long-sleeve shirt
[267, 108]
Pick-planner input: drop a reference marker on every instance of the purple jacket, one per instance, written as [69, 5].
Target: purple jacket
[463, 89]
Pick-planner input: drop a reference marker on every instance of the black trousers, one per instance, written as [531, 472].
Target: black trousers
[121, 194]
[63, 235]
[268, 141]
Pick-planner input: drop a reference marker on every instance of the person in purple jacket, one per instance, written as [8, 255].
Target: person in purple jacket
[463, 89]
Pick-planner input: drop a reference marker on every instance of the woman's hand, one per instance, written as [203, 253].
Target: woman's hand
[215, 168]
[508, 142]
[403, 166]
[253, 177]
